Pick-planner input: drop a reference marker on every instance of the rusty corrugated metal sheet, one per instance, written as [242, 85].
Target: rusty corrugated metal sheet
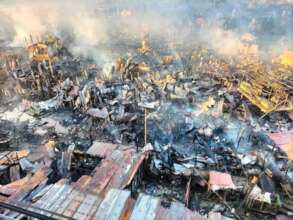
[63, 199]
[92, 212]
[285, 141]
[101, 196]
[218, 180]
[281, 138]
[126, 212]
[56, 199]
[86, 206]
[113, 205]
[82, 182]
[134, 169]
[116, 170]
[127, 162]
[11, 156]
[145, 207]
[25, 184]
[41, 193]
[65, 204]
[102, 176]
[74, 205]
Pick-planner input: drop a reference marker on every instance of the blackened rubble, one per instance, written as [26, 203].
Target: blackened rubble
[204, 144]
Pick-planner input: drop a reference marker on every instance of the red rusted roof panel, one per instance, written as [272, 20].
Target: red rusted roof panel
[129, 163]
[285, 141]
[134, 169]
[220, 180]
[24, 184]
[82, 182]
[126, 212]
[282, 137]
[103, 175]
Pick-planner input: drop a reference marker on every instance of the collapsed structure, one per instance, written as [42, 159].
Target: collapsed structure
[164, 132]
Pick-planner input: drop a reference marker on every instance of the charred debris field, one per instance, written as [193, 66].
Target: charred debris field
[179, 110]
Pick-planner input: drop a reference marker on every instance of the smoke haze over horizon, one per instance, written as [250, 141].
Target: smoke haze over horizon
[219, 25]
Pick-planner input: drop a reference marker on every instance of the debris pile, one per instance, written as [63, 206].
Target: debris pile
[165, 129]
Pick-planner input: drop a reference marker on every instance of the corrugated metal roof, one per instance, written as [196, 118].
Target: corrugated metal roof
[82, 182]
[112, 205]
[62, 202]
[116, 170]
[102, 176]
[100, 196]
[85, 207]
[145, 208]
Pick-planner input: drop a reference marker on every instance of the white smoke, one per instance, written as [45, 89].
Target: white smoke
[87, 22]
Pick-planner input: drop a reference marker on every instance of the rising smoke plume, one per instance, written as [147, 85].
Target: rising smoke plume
[94, 25]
